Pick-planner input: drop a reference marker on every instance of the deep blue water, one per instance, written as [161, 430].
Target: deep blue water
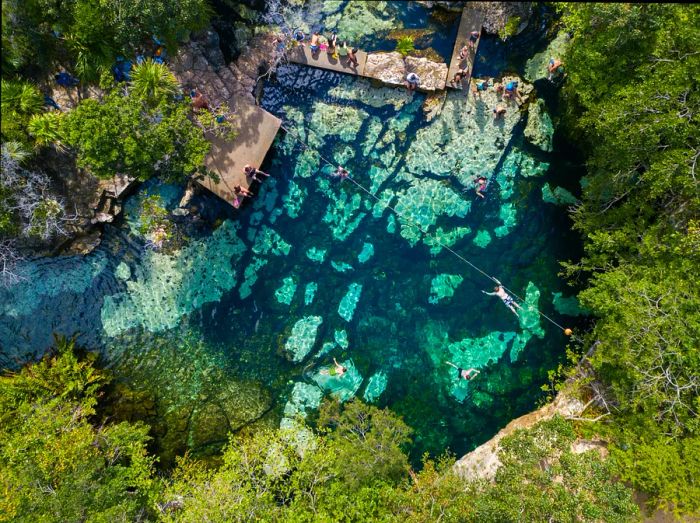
[394, 328]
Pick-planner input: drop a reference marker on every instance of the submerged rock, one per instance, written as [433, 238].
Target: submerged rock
[443, 286]
[558, 195]
[375, 387]
[539, 130]
[303, 337]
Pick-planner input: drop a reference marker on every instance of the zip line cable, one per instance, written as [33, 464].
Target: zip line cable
[413, 223]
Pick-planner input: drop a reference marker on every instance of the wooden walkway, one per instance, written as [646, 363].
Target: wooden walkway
[472, 20]
[322, 60]
[256, 131]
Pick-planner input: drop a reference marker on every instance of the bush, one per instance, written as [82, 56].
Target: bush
[405, 45]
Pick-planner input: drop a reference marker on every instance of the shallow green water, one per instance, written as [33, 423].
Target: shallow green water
[315, 269]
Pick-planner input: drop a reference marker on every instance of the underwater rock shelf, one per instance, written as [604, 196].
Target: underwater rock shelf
[472, 20]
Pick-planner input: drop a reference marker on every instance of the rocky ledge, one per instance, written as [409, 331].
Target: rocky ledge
[483, 462]
[392, 68]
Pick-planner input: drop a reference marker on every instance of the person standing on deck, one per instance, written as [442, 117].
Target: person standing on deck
[352, 57]
[252, 172]
[473, 37]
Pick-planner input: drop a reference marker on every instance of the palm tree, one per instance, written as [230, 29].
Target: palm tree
[18, 101]
[152, 82]
[20, 97]
[46, 129]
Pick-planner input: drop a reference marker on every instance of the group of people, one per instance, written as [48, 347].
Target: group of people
[252, 175]
[335, 50]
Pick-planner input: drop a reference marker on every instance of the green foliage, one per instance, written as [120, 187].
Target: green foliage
[405, 46]
[86, 37]
[121, 134]
[55, 465]
[367, 442]
[20, 101]
[632, 103]
[153, 83]
[45, 128]
[61, 467]
[666, 469]
[510, 28]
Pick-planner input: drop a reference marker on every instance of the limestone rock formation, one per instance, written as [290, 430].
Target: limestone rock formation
[483, 462]
[497, 14]
[392, 68]
[200, 63]
[539, 130]
[432, 74]
[387, 67]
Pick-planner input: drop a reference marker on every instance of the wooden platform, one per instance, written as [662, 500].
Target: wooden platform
[323, 60]
[472, 20]
[256, 131]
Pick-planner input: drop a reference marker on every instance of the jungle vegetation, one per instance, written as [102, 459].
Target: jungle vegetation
[631, 102]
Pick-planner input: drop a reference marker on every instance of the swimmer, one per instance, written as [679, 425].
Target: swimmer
[341, 173]
[337, 371]
[508, 301]
[464, 374]
[481, 183]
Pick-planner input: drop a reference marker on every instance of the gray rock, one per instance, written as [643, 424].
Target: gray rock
[432, 74]
[390, 68]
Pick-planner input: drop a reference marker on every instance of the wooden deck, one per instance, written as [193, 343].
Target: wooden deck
[256, 131]
[322, 60]
[472, 20]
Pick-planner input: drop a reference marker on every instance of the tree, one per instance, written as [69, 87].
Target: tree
[20, 100]
[56, 464]
[153, 83]
[632, 103]
[122, 135]
[86, 37]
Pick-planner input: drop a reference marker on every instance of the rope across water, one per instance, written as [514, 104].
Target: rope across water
[413, 223]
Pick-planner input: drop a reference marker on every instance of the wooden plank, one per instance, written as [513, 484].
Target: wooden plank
[256, 131]
[472, 20]
[323, 60]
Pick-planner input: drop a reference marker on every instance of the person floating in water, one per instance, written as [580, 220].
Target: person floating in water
[341, 173]
[336, 371]
[481, 184]
[508, 301]
[464, 374]
[252, 172]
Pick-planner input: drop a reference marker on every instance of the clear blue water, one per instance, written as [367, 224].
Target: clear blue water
[395, 329]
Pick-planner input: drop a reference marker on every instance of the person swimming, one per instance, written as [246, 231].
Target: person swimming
[507, 299]
[481, 184]
[467, 374]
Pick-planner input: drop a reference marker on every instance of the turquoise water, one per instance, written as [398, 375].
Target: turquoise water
[315, 269]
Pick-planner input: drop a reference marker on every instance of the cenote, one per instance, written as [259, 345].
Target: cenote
[314, 269]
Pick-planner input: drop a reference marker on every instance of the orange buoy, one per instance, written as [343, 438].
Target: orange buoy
[568, 332]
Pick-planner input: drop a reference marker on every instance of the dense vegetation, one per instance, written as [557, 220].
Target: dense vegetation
[630, 101]
[61, 461]
[633, 104]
